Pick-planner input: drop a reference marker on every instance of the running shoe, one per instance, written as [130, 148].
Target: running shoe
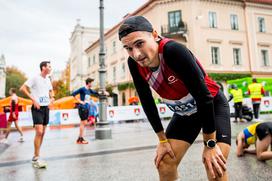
[21, 139]
[82, 141]
[4, 141]
[37, 163]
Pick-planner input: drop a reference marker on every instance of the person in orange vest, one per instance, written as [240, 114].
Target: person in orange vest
[237, 96]
[256, 92]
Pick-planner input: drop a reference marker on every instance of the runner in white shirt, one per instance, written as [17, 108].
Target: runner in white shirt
[41, 94]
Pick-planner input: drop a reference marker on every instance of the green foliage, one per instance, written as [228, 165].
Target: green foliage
[226, 77]
[124, 86]
[109, 89]
[60, 89]
[15, 79]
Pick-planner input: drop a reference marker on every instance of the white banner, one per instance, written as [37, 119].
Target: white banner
[265, 107]
[122, 113]
[114, 114]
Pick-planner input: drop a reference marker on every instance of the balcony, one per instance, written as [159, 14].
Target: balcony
[175, 31]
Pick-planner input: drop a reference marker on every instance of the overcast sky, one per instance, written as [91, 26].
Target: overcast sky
[35, 30]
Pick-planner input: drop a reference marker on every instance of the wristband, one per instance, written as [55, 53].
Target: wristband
[164, 141]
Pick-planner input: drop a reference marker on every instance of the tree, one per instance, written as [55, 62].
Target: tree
[15, 79]
[66, 76]
[60, 89]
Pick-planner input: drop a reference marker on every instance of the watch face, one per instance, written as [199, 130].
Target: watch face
[211, 143]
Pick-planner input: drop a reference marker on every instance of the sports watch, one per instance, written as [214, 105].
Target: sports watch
[210, 143]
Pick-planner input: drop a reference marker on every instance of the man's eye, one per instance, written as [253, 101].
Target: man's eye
[139, 44]
[128, 48]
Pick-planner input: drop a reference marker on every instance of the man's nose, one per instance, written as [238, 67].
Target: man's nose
[136, 53]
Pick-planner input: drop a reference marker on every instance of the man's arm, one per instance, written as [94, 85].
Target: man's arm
[262, 91]
[146, 99]
[52, 96]
[250, 151]
[239, 148]
[75, 93]
[185, 65]
[24, 89]
[230, 97]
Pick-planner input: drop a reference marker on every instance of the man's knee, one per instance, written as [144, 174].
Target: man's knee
[260, 157]
[39, 133]
[168, 166]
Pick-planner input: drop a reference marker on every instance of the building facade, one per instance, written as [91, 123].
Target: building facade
[227, 36]
[2, 76]
[80, 39]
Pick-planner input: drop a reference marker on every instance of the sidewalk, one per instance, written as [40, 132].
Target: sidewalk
[127, 156]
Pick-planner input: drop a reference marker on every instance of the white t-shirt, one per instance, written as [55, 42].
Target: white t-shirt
[39, 88]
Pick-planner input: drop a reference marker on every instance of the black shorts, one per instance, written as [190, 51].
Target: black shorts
[264, 129]
[40, 116]
[187, 128]
[83, 113]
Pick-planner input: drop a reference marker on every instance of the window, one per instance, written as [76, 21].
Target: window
[174, 20]
[234, 21]
[93, 59]
[123, 68]
[114, 74]
[264, 54]
[237, 56]
[261, 24]
[123, 98]
[215, 55]
[212, 20]
[114, 47]
[89, 61]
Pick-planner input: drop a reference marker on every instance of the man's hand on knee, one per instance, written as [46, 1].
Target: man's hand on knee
[162, 150]
[215, 162]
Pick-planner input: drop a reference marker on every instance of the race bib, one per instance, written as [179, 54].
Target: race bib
[186, 106]
[44, 100]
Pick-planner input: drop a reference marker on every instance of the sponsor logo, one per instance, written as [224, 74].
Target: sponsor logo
[172, 79]
[65, 116]
[162, 110]
[266, 103]
[137, 111]
[111, 113]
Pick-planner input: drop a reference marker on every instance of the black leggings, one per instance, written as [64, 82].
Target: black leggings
[187, 128]
[264, 129]
[256, 108]
[238, 110]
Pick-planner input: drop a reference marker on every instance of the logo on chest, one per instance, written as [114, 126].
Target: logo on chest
[171, 79]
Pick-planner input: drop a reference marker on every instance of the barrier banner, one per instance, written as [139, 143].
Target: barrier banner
[119, 113]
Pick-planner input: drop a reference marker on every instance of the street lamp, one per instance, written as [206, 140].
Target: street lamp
[102, 130]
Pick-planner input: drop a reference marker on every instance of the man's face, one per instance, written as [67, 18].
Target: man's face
[89, 85]
[47, 69]
[142, 47]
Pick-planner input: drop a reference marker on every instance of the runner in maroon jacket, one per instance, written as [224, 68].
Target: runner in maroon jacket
[177, 76]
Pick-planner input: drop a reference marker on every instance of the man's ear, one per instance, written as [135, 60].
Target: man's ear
[155, 34]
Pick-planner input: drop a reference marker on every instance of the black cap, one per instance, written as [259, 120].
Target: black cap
[134, 23]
